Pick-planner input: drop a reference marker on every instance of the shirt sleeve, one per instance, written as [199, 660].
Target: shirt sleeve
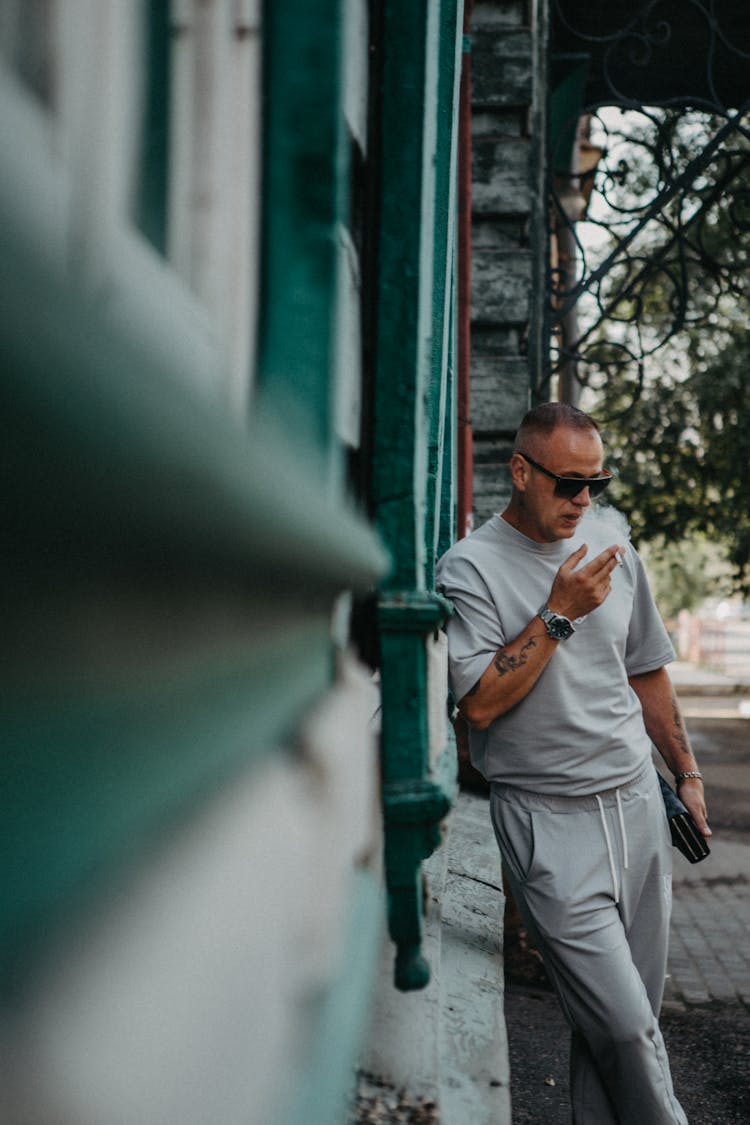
[474, 630]
[648, 645]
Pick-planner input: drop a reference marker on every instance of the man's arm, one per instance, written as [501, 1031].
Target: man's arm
[509, 677]
[666, 729]
[516, 667]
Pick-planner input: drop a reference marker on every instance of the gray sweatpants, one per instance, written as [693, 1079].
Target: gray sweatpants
[592, 877]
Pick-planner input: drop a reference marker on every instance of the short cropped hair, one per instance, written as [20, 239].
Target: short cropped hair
[541, 420]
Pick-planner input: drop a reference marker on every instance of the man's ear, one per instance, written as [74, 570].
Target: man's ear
[519, 471]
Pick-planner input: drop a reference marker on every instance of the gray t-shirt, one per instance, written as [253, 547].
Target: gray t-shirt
[580, 729]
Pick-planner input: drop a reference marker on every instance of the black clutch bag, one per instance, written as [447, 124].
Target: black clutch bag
[685, 834]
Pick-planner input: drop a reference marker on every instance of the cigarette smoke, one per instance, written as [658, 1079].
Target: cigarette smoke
[611, 519]
[614, 523]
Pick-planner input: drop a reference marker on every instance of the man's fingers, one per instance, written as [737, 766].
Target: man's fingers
[697, 807]
[573, 560]
[699, 816]
[606, 561]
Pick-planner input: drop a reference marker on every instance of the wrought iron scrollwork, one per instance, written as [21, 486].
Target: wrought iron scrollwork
[651, 222]
[659, 52]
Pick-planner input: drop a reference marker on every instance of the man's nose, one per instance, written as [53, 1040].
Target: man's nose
[583, 498]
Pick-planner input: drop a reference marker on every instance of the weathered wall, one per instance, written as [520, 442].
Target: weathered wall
[191, 830]
[508, 239]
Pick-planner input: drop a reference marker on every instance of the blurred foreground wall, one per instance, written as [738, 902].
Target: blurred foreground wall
[227, 321]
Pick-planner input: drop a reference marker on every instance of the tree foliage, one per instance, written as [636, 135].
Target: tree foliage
[682, 453]
[678, 423]
[684, 575]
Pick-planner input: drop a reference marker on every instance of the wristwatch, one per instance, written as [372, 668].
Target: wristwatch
[558, 627]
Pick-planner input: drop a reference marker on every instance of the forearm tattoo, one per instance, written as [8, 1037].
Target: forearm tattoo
[504, 662]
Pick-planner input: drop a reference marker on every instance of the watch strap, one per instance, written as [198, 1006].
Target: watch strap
[558, 627]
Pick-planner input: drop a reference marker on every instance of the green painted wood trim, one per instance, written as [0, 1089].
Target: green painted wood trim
[112, 457]
[414, 802]
[417, 144]
[405, 256]
[416, 796]
[304, 200]
[419, 105]
[405, 622]
[324, 1088]
[151, 200]
[446, 201]
[446, 522]
[411, 968]
[412, 611]
[404, 736]
[429, 800]
[93, 774]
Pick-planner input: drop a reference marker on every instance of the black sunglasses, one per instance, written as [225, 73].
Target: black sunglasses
[568, 487]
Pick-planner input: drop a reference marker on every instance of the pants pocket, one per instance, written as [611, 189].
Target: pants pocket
[514, 831]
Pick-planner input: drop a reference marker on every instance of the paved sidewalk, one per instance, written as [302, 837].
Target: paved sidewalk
[709, 953]
[709, 950]
[689, 679]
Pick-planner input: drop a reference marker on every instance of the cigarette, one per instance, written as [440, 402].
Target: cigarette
[621, 558]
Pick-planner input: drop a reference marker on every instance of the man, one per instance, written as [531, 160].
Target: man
[557, 658]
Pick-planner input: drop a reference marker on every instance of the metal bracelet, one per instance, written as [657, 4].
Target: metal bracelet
[688, 773]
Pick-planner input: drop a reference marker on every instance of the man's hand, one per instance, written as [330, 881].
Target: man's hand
[576, 592]
[690, 792]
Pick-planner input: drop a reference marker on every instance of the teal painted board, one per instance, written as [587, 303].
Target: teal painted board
[446, 201]
[151, 194]
[304, 198]
[405, 622]
[418, 91]
[446, 522]
[404, 722]
[405, 274]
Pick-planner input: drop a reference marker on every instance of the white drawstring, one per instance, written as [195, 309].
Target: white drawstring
[623, 833]
[624, 838]
[615, 884]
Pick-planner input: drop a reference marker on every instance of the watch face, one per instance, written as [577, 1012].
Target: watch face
[559, 628]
